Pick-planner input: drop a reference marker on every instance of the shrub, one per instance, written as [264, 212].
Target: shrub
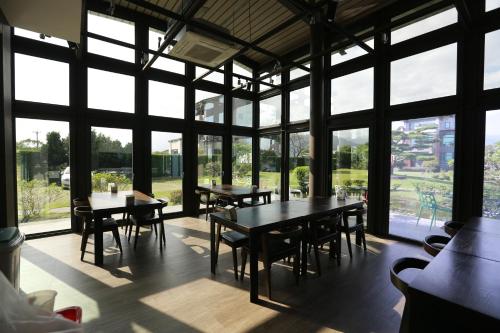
[101, 180]
[31, 198]
[174, 197]
[302, 174]
[358, 182]
[212, 169]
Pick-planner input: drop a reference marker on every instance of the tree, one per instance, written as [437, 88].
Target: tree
[55, 151]
[299, 144]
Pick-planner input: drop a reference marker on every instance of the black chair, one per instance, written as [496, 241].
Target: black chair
[141, 216]
[87, 216]
[397, 267]
[354, 226]
[206, 198]
[275, 246]
[234, 240]
[452, 227]
[326, 230]
[433, 244]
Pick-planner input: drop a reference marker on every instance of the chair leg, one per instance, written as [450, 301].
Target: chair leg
[296, 265]
[206, 211]
[268, 278]
[136, 236]
[162, 232]
[348, 239]
[244, 255]
[419, 214]
[316, 255]
[116, 235]
[217, 243]
[363, 238]
[129, 231]
[235, 263]
[85, 237]
[156, 230]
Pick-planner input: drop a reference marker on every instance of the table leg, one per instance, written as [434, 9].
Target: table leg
[304, 248]
[212, 245]
[253, 242]
[240, 202]
[98, 243]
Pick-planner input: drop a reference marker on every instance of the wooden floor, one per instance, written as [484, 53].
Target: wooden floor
[173, 291]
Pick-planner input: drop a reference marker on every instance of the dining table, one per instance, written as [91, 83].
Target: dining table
[459, 290]
[255, 221]
[105, 204]
[238, 193]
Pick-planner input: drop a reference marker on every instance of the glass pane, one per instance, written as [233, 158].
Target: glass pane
[242, 161]
[492, 4]
[425, 75]
[166, 168]
[275, 79]
[270, 164]
[111, 158]
[209, 107]
[209, 159]
[214, 76]
[242, 112]
[492, 60]
[424, 26]
[350, 52]
[242, 70]
[300, 104]
[422, 162]
[350, 162]
[110, 91]
[41, 80]
[295, 73]
[111, 27]
[165, 64]
[166, 100]
[299, 165]
[36, 36]
[43, 176]
[270, 111]
[110, 50]
[491, 188]
[352, 92]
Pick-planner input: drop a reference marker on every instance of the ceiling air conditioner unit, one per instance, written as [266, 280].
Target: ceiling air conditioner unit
[201, 47]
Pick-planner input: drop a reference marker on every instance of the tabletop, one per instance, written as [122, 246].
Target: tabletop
[107, 201]
[233, 190]
[270, 216]
[483, 224]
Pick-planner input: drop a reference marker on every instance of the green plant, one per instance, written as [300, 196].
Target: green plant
[358, 182]
[100, 181]
[212, 169]
[174, 197]
[395, 187]
[302, 174]
[31, 198]
[347, 183]
[53, 193]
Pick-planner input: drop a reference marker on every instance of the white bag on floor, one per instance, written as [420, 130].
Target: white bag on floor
[17, 315]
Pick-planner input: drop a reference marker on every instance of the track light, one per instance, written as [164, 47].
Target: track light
[249, 86]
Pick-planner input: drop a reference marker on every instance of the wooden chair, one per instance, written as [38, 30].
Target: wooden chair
[206, 198]
[354, 226]
[87, 216]
[234, 240]
[433, 244]
[142, 216]
[275, 246]
[326, 230]
[452, 227]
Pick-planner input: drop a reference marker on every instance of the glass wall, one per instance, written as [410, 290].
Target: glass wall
[242, 112]
[352, 92]
[300, 104]
[155, 37]
[270, 164]
[111, 158]
[43, 175]
[491, 187]
[299, 165]
[270, 111]
[166, 100]
[422, 164]
[166, 168]
[209, 159]
[242, 161]
[110, 91]
[350, 52]
[209, 106]
[492, 60]
[350, 161]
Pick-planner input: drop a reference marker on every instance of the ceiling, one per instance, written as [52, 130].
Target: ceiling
[250, 19]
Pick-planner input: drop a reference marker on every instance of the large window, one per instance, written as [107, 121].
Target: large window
[492, 60]
[110, 91]
[299, 165]
[492, 4]
[166, 64]
[350, 161]
[166, 168]
[111, 158]
[424, 25]
[242, 70]
[209, 107]
[422, 163]
[166, 100]
[214, 76]
[209, 159]
[350, 52]
[491, 187]
[274, 79]
[270, 164]
[270, 111]
[40, 37]
[242, 112]
[300, 104]
[425, 75]
[242, 161]
[352, 92]
[41, 80]
[43, 175]
[295, 73]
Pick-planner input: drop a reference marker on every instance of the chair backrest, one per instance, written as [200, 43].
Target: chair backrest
[427, 200]
[433, 244]
[452, 227]
[293, 234]
[84, 212]
[401, 264]
[331, 222]
[79, 202]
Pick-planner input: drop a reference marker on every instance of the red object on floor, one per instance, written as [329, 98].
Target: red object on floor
[73, 313]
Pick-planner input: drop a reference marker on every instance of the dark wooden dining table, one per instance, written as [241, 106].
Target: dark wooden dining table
[104, 204]
[238, 193]
[459, 291]
[254, 221]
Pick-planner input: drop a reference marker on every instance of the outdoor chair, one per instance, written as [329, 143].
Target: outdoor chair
[427, 200]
